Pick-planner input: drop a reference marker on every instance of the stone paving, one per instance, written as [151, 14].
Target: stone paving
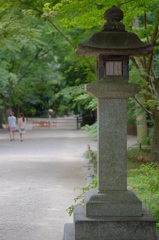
[37, 180]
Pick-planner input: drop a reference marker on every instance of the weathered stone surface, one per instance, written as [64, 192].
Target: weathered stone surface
[114, 228]
[112, 131]
[112, 90]
[112, 145]
[101, 69]
[70, 233]
[85, 50]
[114, 40]
[113, 15]
[112, 203]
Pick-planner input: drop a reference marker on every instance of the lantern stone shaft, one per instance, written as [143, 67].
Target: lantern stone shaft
[112, 145]
[112, 93]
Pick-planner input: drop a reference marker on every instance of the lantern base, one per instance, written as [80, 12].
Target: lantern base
[112, 204]
[114, 228]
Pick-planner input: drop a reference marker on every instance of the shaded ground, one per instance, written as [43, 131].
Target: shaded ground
[37, 178]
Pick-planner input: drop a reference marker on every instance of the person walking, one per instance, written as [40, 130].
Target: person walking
[12, 124]
[50, 112]
[21, 124]
[9, 125]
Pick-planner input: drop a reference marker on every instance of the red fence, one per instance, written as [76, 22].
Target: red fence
[44, 124]
[54, 123]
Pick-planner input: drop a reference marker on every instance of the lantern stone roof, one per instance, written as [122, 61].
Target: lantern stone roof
[113, 39]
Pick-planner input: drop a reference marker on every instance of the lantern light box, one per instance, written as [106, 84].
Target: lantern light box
[113, 68]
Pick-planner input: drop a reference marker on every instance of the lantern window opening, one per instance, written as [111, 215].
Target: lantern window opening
[113, 68]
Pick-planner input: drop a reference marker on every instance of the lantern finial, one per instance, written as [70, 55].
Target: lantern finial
[113, 16]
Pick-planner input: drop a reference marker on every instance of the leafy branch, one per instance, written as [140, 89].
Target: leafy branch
[21, 59]
[59, 31]
[142, 106]
[122, 3]
[27, 66]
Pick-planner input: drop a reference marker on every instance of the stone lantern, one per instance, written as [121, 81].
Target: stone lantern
[112, 212]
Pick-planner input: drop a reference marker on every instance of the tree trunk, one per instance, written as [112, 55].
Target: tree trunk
[1, 119]
[141, 125]
[155, 138]
[55, 104]
[141, 128]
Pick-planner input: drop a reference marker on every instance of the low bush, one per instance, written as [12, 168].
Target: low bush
[145, 183]
[80, 198]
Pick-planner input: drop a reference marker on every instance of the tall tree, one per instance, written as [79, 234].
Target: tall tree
[26, 56]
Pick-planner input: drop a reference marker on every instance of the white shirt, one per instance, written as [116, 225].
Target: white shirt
[21, 123]
[12, 121]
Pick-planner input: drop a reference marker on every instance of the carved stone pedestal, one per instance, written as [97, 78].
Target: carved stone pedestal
[110, 228]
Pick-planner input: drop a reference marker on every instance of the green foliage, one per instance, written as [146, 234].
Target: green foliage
[92, 104]
[87, 155]
[79, 97]
[91, 131]
[62, 110]
[147, 140]
[33, 111]
[76, 12]
[145, 182]
[80, 198]
[131, 111]
[148, 177]
[29, 65]
[133, 153]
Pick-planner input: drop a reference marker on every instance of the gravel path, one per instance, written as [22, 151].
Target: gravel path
[37, 180]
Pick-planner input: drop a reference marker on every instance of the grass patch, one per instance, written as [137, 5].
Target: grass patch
[143, 178]
[88, 156]
[136, 154]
